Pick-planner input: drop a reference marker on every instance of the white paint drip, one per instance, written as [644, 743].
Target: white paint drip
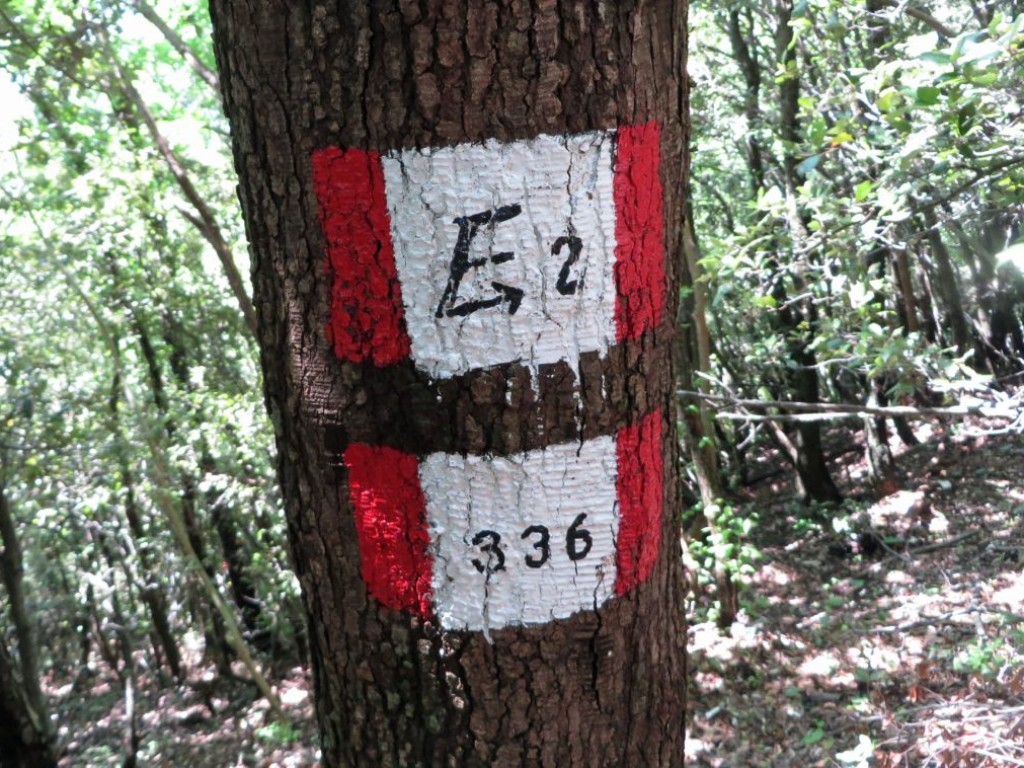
[564, 188]
[467, 496]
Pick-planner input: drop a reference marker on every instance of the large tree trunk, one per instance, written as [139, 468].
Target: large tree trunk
[26, 738]
[479, 474]
[12, 570]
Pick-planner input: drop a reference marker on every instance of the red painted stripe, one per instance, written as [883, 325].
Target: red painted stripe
[639, 232]
[390, 512]
[366, 321]
[639, 488]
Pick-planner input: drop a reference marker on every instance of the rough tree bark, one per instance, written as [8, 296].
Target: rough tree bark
[323, 99]
[26, 738]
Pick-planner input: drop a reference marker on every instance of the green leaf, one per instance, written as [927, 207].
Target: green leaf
[813, 736]
[936, 57]
[928, 95]
[979, 52]
[809, 164]
[889, 100]
[984, 78]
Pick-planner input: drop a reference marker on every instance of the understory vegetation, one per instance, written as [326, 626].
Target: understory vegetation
[855, 399]
[850, 396]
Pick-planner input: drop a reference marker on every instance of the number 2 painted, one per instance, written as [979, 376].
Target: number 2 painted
[504, 295]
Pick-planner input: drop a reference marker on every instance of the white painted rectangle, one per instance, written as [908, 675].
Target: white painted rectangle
[470, 495]
[563, 187]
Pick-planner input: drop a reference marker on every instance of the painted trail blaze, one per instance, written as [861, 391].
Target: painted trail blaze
[393, 539]
[477, 255]
[484, 542]
[639, 232]
[366, 299]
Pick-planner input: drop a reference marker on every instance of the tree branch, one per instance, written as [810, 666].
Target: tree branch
[921, 15]
[207, 222]
[824, 411]
[172, 37]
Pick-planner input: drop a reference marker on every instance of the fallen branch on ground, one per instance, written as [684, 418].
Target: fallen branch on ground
[945, 618]
[942, 544]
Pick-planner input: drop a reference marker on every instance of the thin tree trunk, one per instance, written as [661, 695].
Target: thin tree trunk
[237, 558]
[153, 594]
[218, 646]
[122, 629]
[223, 614]
[407, 671]
[695, 356]
[799, 316]
[905, 286]
[152, 589]
[243, 591]
[948, 285]
[750, 67]
[881, 467]
[929, 309]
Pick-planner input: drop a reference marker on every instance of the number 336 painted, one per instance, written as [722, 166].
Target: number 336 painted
[578, 543]
[483, 542]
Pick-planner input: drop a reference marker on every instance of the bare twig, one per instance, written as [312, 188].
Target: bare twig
[785, 417]
[943, 544]
[824, 411]
[928, 621]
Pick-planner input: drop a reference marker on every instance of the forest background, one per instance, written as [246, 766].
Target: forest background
[856, 211]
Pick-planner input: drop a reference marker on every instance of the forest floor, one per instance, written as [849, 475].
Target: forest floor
[209, 722]
[890, 635]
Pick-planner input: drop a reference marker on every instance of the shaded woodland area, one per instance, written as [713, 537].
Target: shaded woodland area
[851, 395]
